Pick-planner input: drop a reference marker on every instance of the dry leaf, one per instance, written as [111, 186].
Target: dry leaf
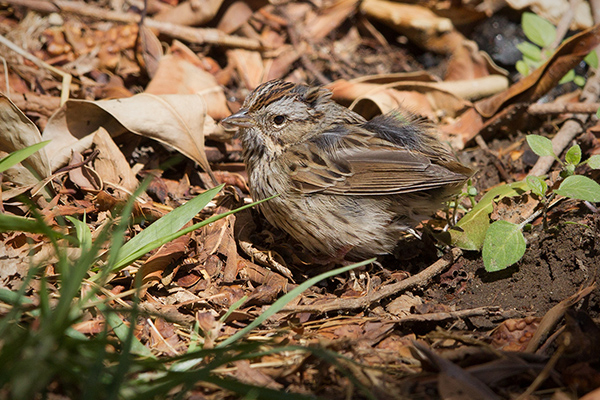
[179, 121]
[415, 76]
[83, 176]
[467, 62]
[190, 13]
[544, 78]
[328, 19]
[17, 132]
[514, 334]
[234, 17]
[419, 24]
[386, 100]
[111, 164]
[249, 65]
[514, 209]
[418, 97]
[402, 305]
[180, 73]
[280, 65]
[464, 128]
[151, 52]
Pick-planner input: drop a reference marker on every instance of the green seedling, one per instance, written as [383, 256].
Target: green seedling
[502, 243]
[542, 35]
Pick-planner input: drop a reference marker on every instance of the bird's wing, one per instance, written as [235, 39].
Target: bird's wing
[370, 170]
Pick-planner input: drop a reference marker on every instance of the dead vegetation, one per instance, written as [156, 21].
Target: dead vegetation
[126, 90]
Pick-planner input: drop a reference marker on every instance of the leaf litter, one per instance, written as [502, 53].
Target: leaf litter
[426, 322]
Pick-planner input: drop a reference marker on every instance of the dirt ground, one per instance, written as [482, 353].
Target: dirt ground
[559, 260]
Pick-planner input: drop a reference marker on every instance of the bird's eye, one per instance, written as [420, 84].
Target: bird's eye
[278, 119]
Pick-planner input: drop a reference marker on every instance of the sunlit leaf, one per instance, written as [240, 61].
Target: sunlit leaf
[573, 155]
[568, 77]
[469, 233]
[540, 145]
[530, 50]
[157, 234]
[537, 29]
[592, 59]
[538, 185]
[504, 245]
[594, 161]
[579, 80]
[580, 187]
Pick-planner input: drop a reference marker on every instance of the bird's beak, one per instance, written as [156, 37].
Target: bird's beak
[239, 119]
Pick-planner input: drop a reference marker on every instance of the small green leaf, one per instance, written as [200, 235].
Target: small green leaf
[538, 185]
[580, 187]
[537, 29]
[469, 233]
[523, 69]
[504, 245]
[594, 161]
[472, 191]
[540, 145]
[568, 170]
[568, 77]
[579, 80]
[530, 50]
[573, 155]
[592, 59]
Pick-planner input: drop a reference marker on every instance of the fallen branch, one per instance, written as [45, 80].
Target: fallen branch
[442, 316]
[192, 35]
[66, 77]
[570, 129]
[416, 281]
[563, 108]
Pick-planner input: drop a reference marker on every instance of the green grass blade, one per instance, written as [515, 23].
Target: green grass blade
[154, 235]
[84, 235]
[159, 241]
[285, 299]
[19, 155]
[122, 332]
[14, 223]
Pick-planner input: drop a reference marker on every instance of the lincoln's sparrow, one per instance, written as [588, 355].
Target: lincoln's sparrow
[347, 186]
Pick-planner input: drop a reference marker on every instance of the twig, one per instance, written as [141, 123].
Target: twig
[442, 316]
[538, 212]
[565, 22]
[544, 374]
[161, 337]
[419, 280]
[79, 164]
[554, 315]
[570, 129]
[66, 78]
[308, 64]
[595, 6]
[563, 108]
[6, 76]
[192, 35]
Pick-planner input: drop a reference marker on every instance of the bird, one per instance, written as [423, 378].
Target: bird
[347, 188]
